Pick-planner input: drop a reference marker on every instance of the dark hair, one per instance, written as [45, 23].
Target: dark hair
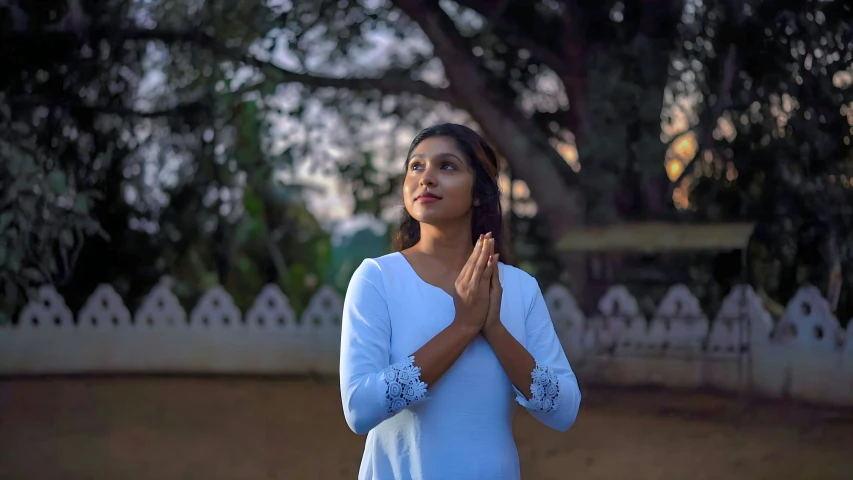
[482, 160]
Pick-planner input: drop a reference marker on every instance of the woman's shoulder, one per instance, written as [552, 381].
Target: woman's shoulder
[376, 269]
[521, 282]
[514, 274]
[379, 264]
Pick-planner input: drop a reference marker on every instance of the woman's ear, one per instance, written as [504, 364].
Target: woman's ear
[476, 202]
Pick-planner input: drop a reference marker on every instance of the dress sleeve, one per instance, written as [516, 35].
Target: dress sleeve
[554, 387]
[372, 389]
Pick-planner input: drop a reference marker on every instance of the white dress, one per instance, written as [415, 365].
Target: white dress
[461, 426]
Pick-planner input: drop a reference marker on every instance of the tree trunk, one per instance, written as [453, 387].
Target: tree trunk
[531, 158]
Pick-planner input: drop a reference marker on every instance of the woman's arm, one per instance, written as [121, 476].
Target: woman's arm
[516, 361]
[544, 382]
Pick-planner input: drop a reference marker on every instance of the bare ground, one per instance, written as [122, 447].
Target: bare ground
[164, 428]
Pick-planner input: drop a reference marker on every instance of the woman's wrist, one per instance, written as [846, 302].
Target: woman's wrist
[490, 329]
[466, 328]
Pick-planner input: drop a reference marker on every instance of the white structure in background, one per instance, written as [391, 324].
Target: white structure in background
[678, 331]
[161, 306]
[807, 355]
[618, 312]
[215, 307]
[680, 322]
[50, 308]
[742, 321]
[323, 319]
[620, 341]
[569, 321]
[806, 350]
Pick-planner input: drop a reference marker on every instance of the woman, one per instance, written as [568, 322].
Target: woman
[433, 348]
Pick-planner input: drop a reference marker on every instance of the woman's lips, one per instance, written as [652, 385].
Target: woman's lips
[428, 199]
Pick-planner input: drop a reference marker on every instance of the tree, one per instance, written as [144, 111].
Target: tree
[214, 101]
[772, 81]
[520, 70]
[126, 153]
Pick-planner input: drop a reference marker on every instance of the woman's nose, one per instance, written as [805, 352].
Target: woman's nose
[427, 178]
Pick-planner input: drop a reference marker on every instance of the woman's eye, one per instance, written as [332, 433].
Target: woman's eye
[420, 166]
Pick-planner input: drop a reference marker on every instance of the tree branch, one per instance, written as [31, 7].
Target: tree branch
[36, 101]
[710, 116]
[515, 136]
[111, 33]
[387, 85]
[494, 12]
[567, 58]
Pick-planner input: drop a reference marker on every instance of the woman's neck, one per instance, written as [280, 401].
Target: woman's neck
[450, 246]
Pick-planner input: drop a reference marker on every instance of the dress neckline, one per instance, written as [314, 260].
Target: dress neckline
[418, 276]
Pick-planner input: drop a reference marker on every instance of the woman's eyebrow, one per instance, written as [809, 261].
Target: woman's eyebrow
[443, 154]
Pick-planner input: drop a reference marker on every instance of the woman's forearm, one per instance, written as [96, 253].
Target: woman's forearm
[440, 353]
[515, 359]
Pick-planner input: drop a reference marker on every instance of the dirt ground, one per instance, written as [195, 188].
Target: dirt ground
[168, 428]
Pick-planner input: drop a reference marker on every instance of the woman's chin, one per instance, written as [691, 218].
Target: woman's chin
[430, 218]
[440, 219]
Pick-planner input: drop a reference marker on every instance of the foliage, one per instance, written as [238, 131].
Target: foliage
[44, 219]
[778, 75]
[129, 149]
[182, 126]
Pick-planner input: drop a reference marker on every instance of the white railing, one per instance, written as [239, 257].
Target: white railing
[805, 355]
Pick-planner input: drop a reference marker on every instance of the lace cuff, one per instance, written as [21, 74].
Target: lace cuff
[403, 385]
[545, 390]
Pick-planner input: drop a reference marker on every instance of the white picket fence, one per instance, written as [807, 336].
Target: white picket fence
[806, 355]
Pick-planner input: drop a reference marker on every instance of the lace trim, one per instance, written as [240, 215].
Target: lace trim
[403, 385]
[545, 390]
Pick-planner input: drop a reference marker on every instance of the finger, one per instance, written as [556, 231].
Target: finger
[485, 284]
[465, 274]
[490, 275]
[490, 262]
[491, 244]
[479, 265]
[496, 278]
[483, 259]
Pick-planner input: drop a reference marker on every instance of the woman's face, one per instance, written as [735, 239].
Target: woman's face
[438, 184]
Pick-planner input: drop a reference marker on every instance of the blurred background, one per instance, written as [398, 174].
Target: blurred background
[244, 144]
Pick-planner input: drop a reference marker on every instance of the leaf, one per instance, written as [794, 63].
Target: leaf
[252, 203]
[57, 181]
[81, 205]
[33, 275]
[14, 262]
[29, 207]
[6, 220]
[66, 238]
